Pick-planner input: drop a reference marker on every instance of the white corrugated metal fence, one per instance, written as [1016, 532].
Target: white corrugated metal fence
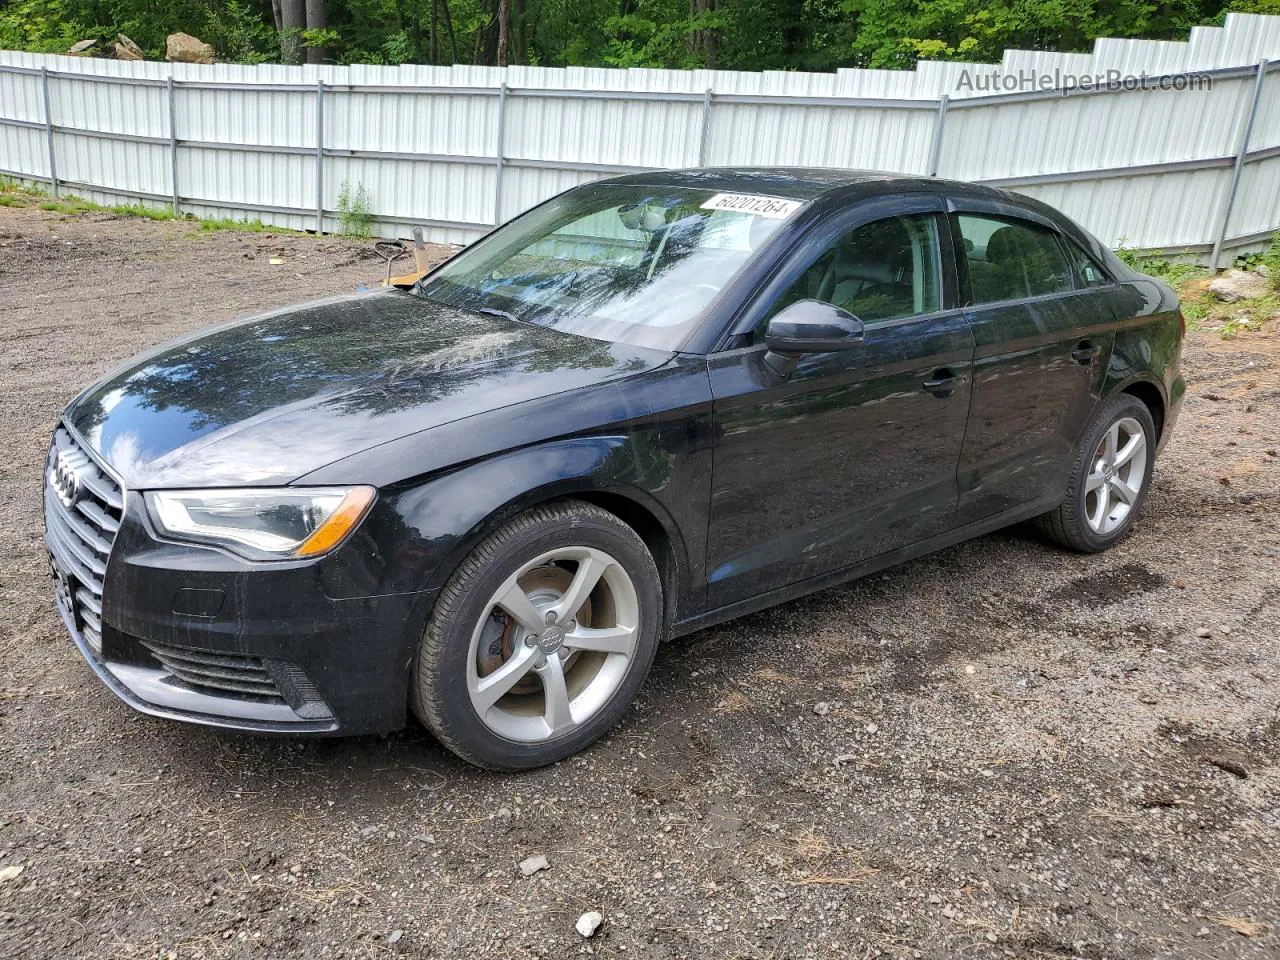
[1191, 164]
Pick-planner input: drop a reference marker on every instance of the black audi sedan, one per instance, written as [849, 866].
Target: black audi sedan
[648, 405]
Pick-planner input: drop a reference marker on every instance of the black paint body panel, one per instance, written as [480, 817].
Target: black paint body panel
[751, 486]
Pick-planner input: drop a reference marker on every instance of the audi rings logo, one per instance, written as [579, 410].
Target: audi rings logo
[64, 477]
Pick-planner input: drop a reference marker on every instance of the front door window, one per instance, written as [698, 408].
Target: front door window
[881, 271]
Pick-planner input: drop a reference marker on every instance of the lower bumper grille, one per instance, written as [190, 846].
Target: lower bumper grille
[241, 676]
[221, 672]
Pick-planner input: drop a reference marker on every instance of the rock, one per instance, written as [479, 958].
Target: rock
[184, 48]
[1204, 633]
[12, 873]
[1238, 285]
[1262, 270]
[126, 49]
[589, 923]
[83, 47]
[871, 728]
[531, 865]
[395, 936]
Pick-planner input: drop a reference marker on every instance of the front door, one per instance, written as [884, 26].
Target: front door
[852, 453]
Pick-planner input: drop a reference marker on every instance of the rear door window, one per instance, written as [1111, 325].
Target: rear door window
[1011, 259]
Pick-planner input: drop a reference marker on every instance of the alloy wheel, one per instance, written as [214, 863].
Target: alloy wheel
[553, 645]
[1115, 481]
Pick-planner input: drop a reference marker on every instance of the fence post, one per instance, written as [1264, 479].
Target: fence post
[1236, 172]
[703, 137]
[498, 154]
[48, 130]
[173, 142]
[319, 158]
[939, 125]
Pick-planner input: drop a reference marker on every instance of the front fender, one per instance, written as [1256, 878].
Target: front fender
[451, 514]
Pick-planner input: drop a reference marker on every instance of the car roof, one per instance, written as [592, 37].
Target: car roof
[832, 185]
[803, 183]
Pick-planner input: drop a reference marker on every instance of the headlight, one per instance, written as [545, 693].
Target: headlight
[270, 524]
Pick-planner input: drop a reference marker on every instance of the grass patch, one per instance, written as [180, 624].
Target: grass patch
[1197, 306]
[1272, 259]
[14, 194]
[1155, 264]
[243, 226]
[71, 204]
[1248, 316]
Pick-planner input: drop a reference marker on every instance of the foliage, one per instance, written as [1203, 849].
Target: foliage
[354, 217]
[243, 226]
[1202, 309]
[1272, 259]
[72, 204]
[728, 34]
[1249, 316]
[1155, 264]
[15, 194]
[239, 30]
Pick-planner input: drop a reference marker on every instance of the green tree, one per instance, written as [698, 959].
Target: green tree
[726, 34]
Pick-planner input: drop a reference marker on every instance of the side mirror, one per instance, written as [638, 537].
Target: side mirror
[812, 326]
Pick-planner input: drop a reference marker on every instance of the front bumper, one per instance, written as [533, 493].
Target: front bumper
[195, 634]
[152, 690]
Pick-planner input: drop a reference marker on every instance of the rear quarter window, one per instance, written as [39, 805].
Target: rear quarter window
[1088, 272]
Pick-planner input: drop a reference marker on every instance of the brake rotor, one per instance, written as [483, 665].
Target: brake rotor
[502, 634]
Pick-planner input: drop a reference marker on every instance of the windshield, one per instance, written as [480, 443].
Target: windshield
[627, 263]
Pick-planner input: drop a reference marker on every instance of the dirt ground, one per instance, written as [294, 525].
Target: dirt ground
[1001, 750]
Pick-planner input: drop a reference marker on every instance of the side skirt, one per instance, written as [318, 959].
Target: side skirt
[894, 557]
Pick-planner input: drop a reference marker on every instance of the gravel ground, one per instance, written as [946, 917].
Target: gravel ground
[1001, 750]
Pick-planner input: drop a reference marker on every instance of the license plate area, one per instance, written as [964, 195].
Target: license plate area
[64, 590]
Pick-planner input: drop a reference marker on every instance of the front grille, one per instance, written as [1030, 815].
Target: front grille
[83, 506]
[219, 672]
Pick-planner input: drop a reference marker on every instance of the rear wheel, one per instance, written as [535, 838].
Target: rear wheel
[541, 638]
[1109, 478]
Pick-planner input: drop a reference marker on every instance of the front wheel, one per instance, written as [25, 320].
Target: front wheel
[540, 640]
[1109, 478]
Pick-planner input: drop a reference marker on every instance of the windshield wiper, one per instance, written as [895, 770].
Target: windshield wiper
[495, 312]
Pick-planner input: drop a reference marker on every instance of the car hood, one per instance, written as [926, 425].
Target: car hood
[269, 399]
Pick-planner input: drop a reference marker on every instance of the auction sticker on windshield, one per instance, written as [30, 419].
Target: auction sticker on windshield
[775, 208]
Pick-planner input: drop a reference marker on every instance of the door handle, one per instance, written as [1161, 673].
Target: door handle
[943, 383]
[1086, 352]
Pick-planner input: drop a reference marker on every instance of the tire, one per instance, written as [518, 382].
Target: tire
[1074, 524]
[473, 645]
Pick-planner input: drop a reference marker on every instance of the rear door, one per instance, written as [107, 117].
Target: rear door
[1042, 338]
[851, 453]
